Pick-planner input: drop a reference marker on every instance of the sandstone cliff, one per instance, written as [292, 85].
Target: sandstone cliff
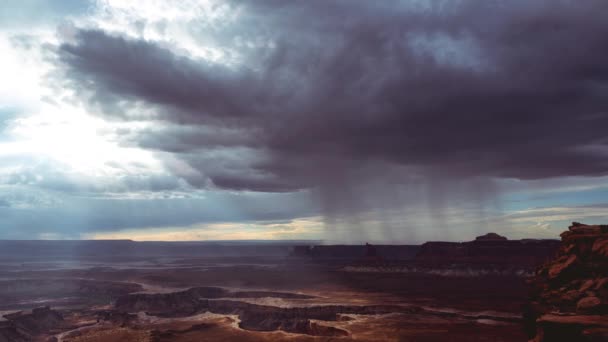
[570, 293]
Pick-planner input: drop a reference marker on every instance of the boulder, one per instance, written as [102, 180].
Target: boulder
[561, 265]
[588, 305]
[601, 284]
[588, 284]
[600, 247]
[572, 296]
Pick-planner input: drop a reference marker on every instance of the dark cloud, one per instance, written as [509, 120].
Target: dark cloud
[350, 92]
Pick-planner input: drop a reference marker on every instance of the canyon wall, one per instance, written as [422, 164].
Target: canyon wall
[570, 293]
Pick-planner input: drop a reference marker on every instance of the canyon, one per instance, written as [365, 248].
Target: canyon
[298, 291]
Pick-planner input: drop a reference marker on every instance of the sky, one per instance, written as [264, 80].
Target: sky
[345, 121]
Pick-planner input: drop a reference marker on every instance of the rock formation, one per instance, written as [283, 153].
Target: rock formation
[22, 326]
[308, 319]
[252, 316]
[570, 293]
[491, 237]
[489, 249]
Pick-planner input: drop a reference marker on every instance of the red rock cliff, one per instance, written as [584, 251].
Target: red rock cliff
[570, 293]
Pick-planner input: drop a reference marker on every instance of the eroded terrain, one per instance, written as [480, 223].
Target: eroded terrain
[257, 298]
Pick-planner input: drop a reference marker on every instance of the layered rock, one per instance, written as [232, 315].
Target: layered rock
[252, 316]
[303, 319]
[570, 293]
[191, 301]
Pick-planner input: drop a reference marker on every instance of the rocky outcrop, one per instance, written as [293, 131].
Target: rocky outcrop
[190, 301]
[182, 303]
[256, 317]
[488, 250]
[118, 318]
[570, 293]
[252, 316]
[25, 326]
[491, 237]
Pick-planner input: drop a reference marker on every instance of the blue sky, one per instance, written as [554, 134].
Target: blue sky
[204, 120]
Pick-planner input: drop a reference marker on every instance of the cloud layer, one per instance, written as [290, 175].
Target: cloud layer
[353, 89]
[385, 120]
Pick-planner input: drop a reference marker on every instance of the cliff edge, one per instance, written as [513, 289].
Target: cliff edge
[569, 299]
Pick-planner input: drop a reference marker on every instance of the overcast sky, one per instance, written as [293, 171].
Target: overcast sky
[395, 121]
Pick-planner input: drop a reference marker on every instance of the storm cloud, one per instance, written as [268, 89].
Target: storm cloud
[383, 121]
[336, 91]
